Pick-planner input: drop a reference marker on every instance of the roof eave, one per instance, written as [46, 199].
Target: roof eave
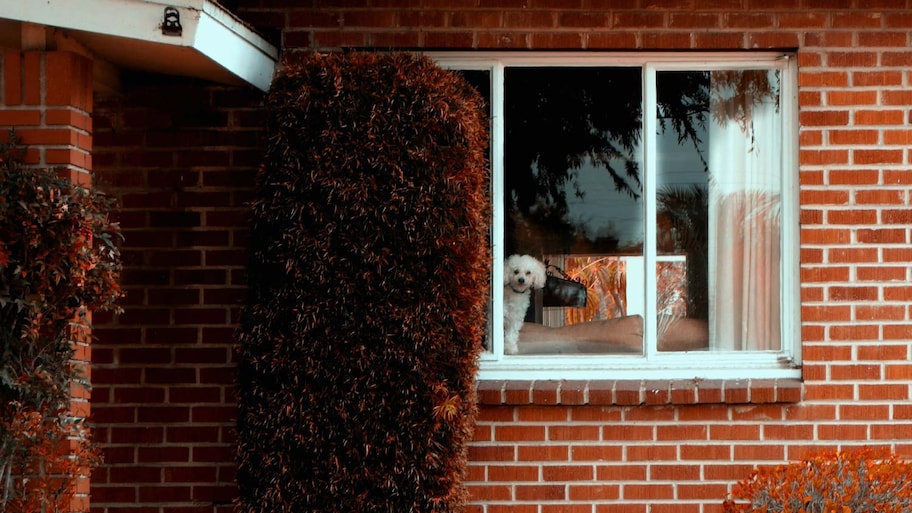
[212, 43]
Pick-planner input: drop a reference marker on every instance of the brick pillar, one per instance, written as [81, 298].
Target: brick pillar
[46, 97]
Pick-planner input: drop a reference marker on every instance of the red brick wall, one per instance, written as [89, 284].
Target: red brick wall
[182, 168]
[181, 159]
[46, 97]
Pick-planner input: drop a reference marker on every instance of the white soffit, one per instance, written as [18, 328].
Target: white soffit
[213, 44]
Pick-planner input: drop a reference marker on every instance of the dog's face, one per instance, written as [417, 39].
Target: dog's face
[523, 272]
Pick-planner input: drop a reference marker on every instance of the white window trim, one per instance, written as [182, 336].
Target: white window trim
[784, 364]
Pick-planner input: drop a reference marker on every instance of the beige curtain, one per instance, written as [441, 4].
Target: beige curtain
[744, 225]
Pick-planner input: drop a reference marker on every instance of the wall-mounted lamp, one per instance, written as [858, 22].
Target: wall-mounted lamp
[171, 25]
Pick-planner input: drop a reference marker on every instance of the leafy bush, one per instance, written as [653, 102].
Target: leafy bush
[368, 282]
[58, 260]
[856, 481]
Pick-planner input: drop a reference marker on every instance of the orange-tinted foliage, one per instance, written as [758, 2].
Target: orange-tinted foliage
[58, 260]
[853, 481]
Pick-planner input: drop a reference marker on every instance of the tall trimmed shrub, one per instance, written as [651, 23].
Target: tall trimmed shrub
[368, 282]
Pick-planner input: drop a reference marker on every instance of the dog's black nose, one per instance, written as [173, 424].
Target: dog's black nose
[521, 279]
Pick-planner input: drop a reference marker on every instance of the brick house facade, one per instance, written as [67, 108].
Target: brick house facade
[180, 155]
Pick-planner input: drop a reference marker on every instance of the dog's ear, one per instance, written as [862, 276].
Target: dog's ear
[508, 269]
[540, 275]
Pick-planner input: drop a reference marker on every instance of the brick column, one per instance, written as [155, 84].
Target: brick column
[46, 97]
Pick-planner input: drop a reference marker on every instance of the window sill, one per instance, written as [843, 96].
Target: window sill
[638, 392]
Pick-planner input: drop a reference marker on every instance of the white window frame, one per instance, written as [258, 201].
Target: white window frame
[650, 364]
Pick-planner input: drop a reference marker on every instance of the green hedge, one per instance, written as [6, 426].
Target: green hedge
[368, 281]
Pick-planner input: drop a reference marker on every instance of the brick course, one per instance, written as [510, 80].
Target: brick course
[183, 168]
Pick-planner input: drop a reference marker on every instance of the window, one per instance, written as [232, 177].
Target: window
[667, 186]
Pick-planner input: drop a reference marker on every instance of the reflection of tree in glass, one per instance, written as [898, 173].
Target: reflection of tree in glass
[560, 121]
[735, 94]
[536, 233]
[672, 294]
[606, 285]
[557, 119]
[687, 212]
[683, 100]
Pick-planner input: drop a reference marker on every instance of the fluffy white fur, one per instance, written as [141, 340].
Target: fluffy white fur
[522, 273]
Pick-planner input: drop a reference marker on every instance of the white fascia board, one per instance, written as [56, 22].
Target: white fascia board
[216, 37]
[207, 28]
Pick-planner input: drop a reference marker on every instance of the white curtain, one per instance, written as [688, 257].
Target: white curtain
[744, 223]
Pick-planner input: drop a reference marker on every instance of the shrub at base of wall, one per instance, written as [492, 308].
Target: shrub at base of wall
[58, 260]
[852, 481]
[368, 282]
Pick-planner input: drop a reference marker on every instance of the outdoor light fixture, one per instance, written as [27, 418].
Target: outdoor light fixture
[171, 25]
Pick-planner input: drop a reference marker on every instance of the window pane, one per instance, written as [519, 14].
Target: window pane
[480, 79]
[718, 192]
[573, 197]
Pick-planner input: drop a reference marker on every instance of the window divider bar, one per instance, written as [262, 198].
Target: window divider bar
[650, 159]
[497, 200]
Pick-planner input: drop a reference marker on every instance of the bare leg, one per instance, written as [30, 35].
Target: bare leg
[620, 335]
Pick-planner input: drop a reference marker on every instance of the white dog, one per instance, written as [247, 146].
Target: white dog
[522, 273]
